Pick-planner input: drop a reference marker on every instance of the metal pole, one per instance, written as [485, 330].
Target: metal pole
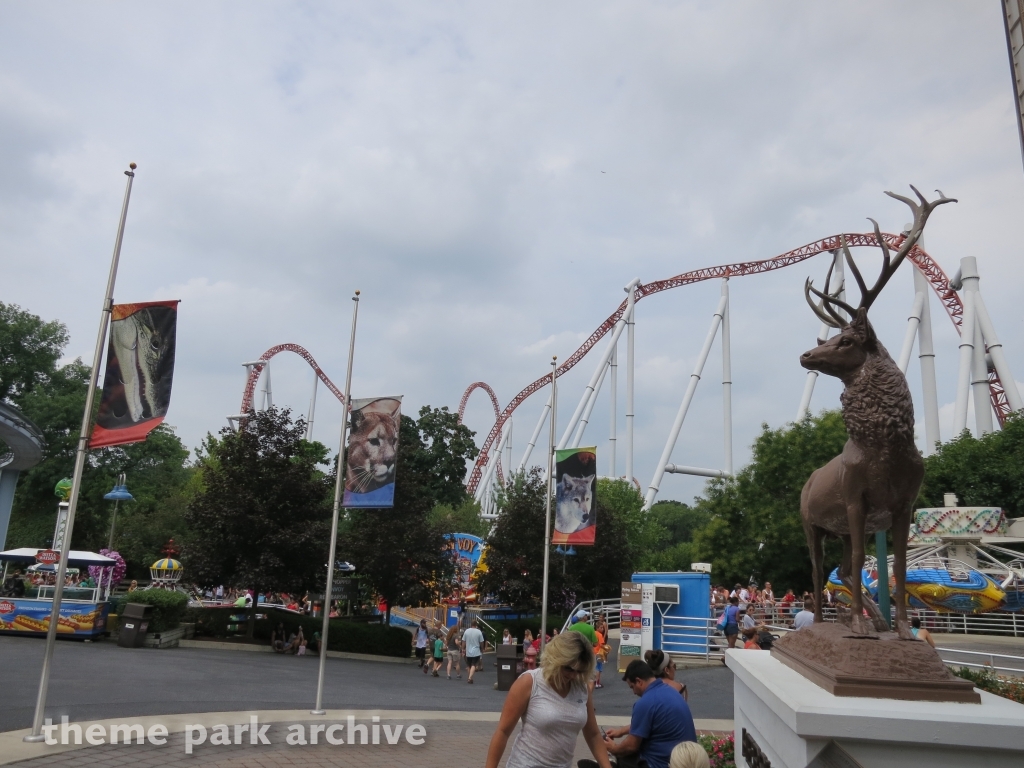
[508, 452]
[913, 323]
[536, 434]
[585, 419]
[926, 358]
[979, 380]
[995, 350]
[338, 485]
[666, 454]
[76, 480]
[726, 379]
[630, 328]
[547, 507]
[590, 393]
[882, 567]
[968, 270]
[614, 392]
[312, 409]
[823, 333]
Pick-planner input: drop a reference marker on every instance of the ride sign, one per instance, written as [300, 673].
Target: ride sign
[47, 557]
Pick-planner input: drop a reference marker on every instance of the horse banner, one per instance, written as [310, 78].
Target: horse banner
[576, 473]
[372, 451]
[140, 368]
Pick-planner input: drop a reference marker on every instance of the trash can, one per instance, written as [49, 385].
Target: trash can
[508, 665]
[134, 625]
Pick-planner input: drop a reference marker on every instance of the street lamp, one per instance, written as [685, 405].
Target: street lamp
[117, 495]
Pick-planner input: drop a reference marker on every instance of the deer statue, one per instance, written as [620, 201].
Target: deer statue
[872, 485]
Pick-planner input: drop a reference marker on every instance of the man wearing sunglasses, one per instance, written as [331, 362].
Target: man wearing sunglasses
[661, 719]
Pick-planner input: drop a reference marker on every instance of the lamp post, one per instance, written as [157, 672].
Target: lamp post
[117, 495]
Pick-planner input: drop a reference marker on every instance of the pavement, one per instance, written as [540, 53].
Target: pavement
[100, 681]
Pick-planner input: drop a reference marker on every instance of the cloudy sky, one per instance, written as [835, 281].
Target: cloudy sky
[490, 176]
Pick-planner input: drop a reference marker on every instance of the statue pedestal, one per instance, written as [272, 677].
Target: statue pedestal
[794, 723]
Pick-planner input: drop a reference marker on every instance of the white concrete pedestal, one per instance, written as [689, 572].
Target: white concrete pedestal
[796, 724]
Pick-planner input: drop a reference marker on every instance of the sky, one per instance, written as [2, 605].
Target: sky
[490, 176]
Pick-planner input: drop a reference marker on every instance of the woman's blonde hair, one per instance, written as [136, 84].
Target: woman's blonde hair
[568, 649]
[688, 754]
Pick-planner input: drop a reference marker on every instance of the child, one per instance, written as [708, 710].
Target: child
[438, 654]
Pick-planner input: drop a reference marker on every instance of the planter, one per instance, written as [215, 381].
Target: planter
[167, 639]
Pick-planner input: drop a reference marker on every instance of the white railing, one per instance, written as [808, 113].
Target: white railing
[983, 660]
[609, 609]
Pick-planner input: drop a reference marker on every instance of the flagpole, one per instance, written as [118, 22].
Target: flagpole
[547, 507]
[76, 480]
[338, 485]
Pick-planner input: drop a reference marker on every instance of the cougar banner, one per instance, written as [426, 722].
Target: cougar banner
[372, 450]
[575, 472]
[140, 367]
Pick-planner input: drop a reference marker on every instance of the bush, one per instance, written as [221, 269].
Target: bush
[721, 750]
[168, 607]
[1008, 687]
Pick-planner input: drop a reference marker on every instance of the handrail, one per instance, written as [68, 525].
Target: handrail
[990, 656]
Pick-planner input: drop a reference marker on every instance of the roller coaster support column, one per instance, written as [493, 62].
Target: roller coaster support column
[995, 350]
[508, 451]
[979, 379]
[483, 491]
[726, 379]
[666, 454]
[590, 404]
[630, 328]
[312, 409]
[536, 434]
[550, 461]
[969, 273]
[926, 358]
[613, 391]
[913, 325]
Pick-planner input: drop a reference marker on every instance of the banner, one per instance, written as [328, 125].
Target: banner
[32, 617]
[576, 473]
[140, 367]
[372, 451]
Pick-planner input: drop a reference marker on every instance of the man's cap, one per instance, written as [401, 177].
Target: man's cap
[582, 614]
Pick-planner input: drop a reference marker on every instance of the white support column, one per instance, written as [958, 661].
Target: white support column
[926, 358]
[536, 433]
[492, 463]
[508, 452]
[969, 272]
[726, 379]
[913, 323]
[666, 454]
[979, 380]
[267, 393]
[588, 393]
[312, 409]
[613, 390]
[630, 328]
[995, 350]
[585, 419]
[839, 275]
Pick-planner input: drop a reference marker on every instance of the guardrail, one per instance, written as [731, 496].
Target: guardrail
[609, 609]
[978, 663]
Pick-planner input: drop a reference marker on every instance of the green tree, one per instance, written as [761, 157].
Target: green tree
[29, 351]
[262, 514]
[465, 518]
[397, 550]
[446, 446]
[754, 527]
[981, 471]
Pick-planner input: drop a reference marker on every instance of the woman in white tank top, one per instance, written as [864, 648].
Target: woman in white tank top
[554, 705]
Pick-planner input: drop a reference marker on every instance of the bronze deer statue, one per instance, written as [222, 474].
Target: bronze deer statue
[872, 485]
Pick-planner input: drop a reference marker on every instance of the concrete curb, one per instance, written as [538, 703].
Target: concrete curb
[13, 749]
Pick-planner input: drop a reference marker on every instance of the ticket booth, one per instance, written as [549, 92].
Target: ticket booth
[675, 609]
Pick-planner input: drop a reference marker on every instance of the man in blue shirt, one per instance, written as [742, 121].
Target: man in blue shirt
[661, 719]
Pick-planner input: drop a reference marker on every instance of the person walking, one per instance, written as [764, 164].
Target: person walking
[554, 705]
[583, 626]
[732, 628]
[473, 641]
[455, 651]
[438, 654]
[420, 639]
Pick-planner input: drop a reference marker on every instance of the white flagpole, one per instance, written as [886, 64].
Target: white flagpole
[547, 507]
[76, 480]
[338, 485]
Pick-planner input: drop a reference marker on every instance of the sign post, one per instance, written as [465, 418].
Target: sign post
[630, 625]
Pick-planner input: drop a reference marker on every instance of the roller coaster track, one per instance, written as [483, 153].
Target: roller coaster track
[925, 263]
[255, 370]
[497, 412]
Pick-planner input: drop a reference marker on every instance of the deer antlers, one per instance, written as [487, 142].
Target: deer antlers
[826, 310]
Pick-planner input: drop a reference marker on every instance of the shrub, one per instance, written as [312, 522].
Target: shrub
[347, 636]
[721, 750]
[1008, 687]
[168, 607]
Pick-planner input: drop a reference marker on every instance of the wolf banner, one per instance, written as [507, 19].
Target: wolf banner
[372, 452]
[140, 367]
[575, 471]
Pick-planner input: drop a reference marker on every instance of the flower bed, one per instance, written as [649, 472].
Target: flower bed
[721, 749]
[1008, 687]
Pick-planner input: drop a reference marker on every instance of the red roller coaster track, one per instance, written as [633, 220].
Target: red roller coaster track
[254, 373]
[497, 414]
[931, 270]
